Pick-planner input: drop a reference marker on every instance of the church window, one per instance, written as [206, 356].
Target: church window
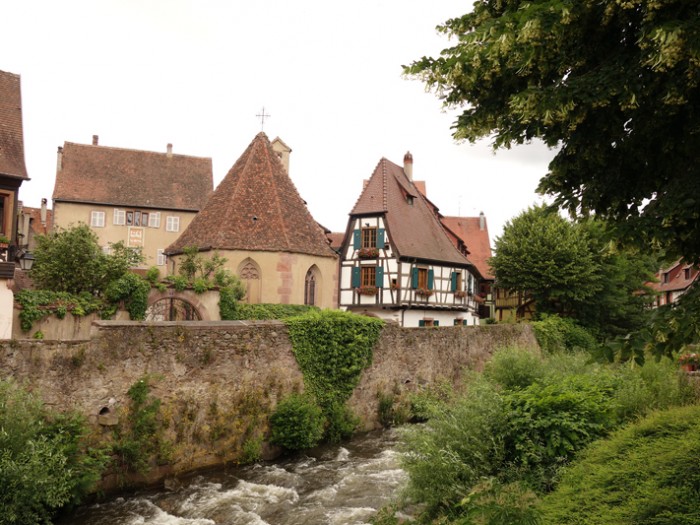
[310, 287]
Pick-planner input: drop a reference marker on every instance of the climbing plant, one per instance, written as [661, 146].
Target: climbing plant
[332, 349]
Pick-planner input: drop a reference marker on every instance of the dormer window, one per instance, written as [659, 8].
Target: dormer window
[686, 273]
[409, 200]
[665, 277]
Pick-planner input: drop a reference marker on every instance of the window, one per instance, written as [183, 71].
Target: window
[144, 218]
[172, 224]
[119, 218]
[456, 282]
[97, 219]
[160, 257]
[137, 218]
[369, 238]
[666, 277]
[423, 278]
[686, 273]
[428, 322]
[368, 276]
[154, 219]
[310, 288]
[107, 249]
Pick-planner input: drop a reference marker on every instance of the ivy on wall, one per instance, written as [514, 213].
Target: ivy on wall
[332, 349]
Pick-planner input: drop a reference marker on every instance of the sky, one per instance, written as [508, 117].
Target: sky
[195, 73]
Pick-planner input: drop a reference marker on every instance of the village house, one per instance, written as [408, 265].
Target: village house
[673, 282]
[257, 220]
[143, 198]
[13, 172]
[398, 262]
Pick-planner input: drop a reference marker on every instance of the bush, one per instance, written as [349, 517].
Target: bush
[515, 368]
[556, 333]
[264, 312]
[45, 460]
[133, 291]
[297, 423]
[645, 473]
[340, 423]
[456, 448]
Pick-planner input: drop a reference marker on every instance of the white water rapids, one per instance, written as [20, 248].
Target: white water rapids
[340, 485]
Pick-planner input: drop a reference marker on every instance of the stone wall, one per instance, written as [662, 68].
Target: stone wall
[218, 381]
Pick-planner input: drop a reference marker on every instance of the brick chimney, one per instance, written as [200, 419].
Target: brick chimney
[170, 150]
[408, 165]
[95, 140]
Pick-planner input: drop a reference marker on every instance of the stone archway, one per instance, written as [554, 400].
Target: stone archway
[250, 275]
[172, 309]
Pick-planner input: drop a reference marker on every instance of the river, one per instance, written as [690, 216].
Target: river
[343, 485]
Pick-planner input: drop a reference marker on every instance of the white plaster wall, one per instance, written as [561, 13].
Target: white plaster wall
[6, 310]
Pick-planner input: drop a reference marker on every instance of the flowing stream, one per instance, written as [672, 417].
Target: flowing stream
[343, 485]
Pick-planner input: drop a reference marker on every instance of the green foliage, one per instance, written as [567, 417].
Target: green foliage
[575, 270]
[519, 423]
[139, 442]
[612, 85]
[555, 333]
[37, 304]
[332, 348]
[251, 451]
[200, 285]
[262, 312]
[297, 423]
[71, 260]
[132, 290]
[340, 423]
[644, 473]
[430, 400]
[153, 275]
[45, 460]
[179, 282]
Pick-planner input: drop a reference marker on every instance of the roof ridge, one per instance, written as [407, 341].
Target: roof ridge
[134, 150]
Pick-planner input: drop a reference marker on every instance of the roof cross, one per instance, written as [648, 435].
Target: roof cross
[262, 116]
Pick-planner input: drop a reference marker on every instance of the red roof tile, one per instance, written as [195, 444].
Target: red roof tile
[673, 278]
[256, 207]
[413, 226]
[127, 177]
[11, 138]
[476, 240]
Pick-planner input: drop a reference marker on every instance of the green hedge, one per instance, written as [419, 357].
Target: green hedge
[263, 312]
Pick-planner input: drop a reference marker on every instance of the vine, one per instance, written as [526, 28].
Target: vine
[332, 349]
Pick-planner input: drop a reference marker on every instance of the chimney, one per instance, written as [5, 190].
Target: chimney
[59, 159]
[170, 150]
[482, 221]
[43, 212]
[282, 151]
[95, 140]
[408, 165]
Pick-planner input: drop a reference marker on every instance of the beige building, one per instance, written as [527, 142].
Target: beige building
[257, 220]
[145, 199]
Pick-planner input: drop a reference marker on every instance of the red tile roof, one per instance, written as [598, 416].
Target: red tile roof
[35, 223]
[256, 207]
[414, 228]
[675, 279]
[476, 240]
[127, 177]
[336, 239]
[11, 138]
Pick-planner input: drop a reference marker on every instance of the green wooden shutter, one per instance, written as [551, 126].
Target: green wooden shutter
[356, 278]
[436, 323]
[379, 277]
[457, 322]
[380, 238]
[453, 282]
[431, 278]
[421, 322]
[414, 277]
[357, 239]
[470, 283]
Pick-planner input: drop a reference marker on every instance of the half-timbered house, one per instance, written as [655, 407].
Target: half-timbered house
[397, 261]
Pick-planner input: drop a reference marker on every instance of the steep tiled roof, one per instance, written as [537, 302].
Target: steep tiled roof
[256, 207]
[35, 223]
[476, 240]
[336, 239]
[11, 138]
[413, 227]
[673, 278]
[127, 177]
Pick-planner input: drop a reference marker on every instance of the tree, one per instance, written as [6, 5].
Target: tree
[574, 270]
[613, 85]
[71, 260]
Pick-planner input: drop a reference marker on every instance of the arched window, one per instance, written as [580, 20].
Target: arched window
[249, 272]
[310, 285]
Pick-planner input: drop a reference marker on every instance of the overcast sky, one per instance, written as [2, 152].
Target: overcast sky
[144, 73]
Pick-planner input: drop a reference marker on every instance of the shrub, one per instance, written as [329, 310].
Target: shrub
[430, 400]
[133, 291]
[46, 462]
[340, 423]
[297, 423]
[645, 473]
[263, 312]
[556, 333]
[456, 448]
[515, 368]
[153, 275]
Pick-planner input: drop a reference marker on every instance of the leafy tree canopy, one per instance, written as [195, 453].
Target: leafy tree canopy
[71, 260]
[613, 85]
[574, 269]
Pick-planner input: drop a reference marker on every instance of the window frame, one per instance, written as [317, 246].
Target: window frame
[97, 217]
[172, 223]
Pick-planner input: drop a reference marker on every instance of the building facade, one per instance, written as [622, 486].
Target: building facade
[145, 199]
